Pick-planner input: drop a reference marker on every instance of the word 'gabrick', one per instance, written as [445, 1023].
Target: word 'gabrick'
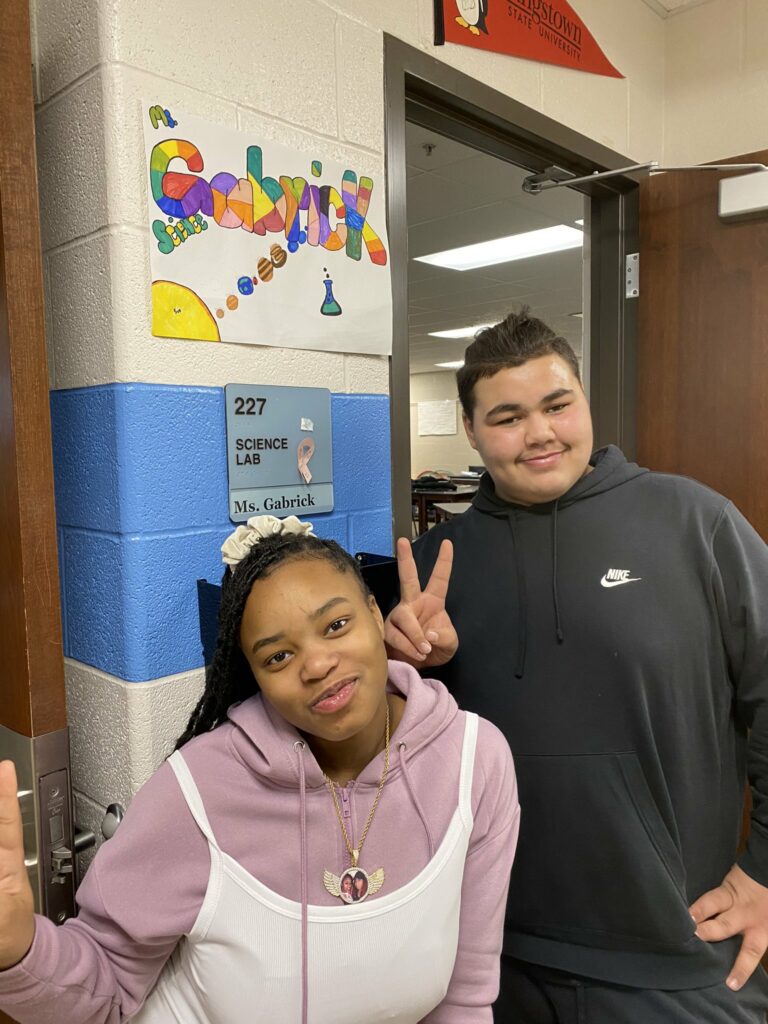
[260, 204]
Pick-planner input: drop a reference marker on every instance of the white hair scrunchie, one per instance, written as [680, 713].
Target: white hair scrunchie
[238, 544]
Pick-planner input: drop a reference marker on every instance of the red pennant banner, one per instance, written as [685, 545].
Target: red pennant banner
[549, 31]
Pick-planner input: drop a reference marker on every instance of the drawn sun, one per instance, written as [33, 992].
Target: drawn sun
[178, 312]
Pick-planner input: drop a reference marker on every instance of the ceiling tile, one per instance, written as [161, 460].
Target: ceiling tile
[443, 151]
[457, 196]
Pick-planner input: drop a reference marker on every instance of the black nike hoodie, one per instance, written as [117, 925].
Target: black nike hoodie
[619, 638]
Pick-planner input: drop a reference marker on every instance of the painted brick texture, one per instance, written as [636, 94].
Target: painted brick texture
[141, 495]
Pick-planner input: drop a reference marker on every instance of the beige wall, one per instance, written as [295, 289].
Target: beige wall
[716, 92]
[448, 451]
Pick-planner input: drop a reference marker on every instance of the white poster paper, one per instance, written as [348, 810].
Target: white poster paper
[437, 417]
[257, 243]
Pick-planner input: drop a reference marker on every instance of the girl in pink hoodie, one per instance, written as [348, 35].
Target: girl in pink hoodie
[309, 762]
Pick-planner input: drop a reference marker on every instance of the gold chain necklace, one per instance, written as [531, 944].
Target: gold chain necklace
[354, 884]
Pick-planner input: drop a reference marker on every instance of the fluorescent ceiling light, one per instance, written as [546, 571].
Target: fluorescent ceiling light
[460, 332]
[505, 250]
[452, 366]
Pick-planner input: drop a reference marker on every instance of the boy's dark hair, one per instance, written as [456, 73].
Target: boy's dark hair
[517, 339]
[228, 678]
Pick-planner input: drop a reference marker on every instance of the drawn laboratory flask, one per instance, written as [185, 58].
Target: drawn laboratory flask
[330, 306]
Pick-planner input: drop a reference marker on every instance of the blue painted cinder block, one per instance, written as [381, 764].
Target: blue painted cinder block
[361, 462]
[85, 466]
[136, 457]
[141, 496]
[131, 600]
[331, 526]
[371, 531]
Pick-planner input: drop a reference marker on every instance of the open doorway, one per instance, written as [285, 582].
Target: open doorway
[424, 93]
[460, 204]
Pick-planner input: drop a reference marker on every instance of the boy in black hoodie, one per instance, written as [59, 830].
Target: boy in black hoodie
[613, 622]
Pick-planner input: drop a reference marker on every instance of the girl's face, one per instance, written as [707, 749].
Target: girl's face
[346, 884]
[315, 646]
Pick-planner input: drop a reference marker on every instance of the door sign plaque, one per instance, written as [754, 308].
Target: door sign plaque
[279, 454]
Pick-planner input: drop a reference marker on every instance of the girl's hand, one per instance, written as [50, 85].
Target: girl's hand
[17, 915]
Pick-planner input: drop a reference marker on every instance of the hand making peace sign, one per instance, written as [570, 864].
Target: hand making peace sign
[17, 921]
[418, 630]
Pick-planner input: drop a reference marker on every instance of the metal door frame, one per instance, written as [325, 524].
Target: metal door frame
[432, 94]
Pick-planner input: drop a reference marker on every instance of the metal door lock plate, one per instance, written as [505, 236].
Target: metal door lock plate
[45, 799]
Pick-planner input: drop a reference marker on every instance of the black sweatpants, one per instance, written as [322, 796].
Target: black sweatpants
[537, 995]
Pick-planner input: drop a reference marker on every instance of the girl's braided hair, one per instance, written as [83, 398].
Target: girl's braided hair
[228, 678]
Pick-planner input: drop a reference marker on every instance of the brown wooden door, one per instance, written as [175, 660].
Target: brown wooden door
[32, 705]
[33, 675]
[703, 340]
[702, 397]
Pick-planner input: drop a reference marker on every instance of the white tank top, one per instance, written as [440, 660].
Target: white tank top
[389, 959]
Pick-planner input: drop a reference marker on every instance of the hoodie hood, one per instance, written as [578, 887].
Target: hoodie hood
[276, 752]
[609, 469]
[265, 742]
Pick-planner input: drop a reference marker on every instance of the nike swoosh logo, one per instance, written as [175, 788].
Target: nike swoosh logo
[617, 583]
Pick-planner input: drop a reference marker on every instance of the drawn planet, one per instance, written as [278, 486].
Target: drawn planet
[279, 256]
[232, 302]
[178, 312]
[264, 269]
[245, 286]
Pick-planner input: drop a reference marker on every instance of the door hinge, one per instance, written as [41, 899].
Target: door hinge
[632, 275]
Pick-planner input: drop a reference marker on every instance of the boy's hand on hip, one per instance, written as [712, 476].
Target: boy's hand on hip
[17, 918]
[419, 630]
[738, 906]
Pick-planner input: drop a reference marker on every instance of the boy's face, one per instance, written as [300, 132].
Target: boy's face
[532, 427]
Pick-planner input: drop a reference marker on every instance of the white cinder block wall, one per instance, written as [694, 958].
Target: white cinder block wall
[293, 72]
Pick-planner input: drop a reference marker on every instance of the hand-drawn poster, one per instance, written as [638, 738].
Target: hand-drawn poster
[256, 243]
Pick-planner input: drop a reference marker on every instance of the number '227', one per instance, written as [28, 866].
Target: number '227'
[247, 406]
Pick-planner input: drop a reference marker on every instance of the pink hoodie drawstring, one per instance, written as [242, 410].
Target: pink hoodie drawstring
[401, 748]
[298, 746]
